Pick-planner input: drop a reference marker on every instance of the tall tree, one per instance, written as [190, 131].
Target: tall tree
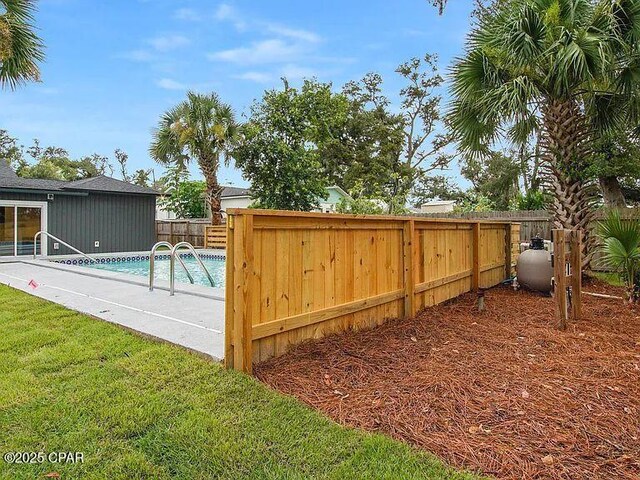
[201, 128]
[496, 177]
[405, 145]
[10, 151]
[278, 151]
[20, 48]
[615, 162]
[54, 163]
[561, 68]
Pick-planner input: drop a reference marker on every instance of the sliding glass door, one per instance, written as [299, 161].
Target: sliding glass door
[28, 224]
[7, 230]
[19, 222]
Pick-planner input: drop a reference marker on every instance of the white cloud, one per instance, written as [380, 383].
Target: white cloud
[265, 51]
[258, 77]
[226, 13]
[170, 84]
[168, 42]
[187, 14]
[294, 33]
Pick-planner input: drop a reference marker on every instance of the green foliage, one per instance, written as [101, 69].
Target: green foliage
[141, 177]
[474, 202]
[317, 137]
[359, 206]
[201, 128]
[278, 151]
[20, 48]
[435, 187]
[9, 149]
[496, 177]
[621, 249]
[186, 200]
[398, 145]
[54, 163]
[532, 200]
[527, 53]
[140, 409]
[615, 161]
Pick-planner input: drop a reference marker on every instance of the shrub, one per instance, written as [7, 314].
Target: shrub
[621, 248]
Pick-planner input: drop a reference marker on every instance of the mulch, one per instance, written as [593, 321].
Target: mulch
[502, 392]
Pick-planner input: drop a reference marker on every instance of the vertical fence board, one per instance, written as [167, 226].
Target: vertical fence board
[293, 277]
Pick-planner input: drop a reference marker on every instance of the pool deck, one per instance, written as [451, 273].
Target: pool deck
[193, 317]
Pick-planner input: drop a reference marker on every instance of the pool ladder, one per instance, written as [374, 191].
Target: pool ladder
[172, 263]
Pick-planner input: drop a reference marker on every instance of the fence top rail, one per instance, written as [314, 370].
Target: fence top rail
[344, 216]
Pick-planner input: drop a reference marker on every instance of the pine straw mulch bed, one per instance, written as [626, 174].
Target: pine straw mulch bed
[500, 392]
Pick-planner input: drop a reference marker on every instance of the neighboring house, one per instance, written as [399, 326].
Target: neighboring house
[235, 197]
[95, 215]
[438, 206]
[335, 194]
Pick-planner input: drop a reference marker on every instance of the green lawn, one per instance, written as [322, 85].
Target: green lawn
[143, 409]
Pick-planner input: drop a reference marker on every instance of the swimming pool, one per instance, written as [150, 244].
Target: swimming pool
[139, 265]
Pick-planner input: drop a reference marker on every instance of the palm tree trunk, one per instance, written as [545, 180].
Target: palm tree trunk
[213, 190]
[565, 148]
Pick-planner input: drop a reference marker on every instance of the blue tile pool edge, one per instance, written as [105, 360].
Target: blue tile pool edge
[131, 258]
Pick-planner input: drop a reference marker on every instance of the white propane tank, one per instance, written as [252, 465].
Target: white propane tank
[534, 267]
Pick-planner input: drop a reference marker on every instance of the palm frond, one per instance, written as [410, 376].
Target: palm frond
[21, 50]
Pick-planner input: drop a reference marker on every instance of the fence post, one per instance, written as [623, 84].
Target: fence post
[560, 275]
[171, 241]
[408, 247]
[228, 293]
[576, 275]
[507, 250]
[243, 274]
[475, 279]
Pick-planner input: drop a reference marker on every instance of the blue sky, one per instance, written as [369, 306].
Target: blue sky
[114, 66]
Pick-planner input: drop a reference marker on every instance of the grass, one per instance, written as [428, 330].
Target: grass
[139, 409]
[610, 278]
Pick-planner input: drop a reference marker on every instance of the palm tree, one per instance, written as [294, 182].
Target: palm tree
[20, 47]
[555, 70]
[201, 128]
[621, 249]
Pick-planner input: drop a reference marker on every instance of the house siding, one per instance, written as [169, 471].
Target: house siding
[120, 222]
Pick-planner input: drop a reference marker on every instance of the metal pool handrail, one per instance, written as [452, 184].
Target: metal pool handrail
[174, 253]
[71, 247]
[152, 258]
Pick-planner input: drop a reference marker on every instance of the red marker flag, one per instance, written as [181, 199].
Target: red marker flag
[33, 284]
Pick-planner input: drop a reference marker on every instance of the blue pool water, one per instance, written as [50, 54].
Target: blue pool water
[215, 266]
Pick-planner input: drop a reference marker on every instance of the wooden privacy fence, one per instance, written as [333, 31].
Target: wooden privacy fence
[216, 236]
[190, 230]
[295, 276]
[532, 222]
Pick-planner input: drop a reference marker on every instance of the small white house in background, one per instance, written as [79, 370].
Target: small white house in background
[235, 197]
[438, 206]
[162, 214]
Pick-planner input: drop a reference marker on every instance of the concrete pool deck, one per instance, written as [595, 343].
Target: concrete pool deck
[193, 317]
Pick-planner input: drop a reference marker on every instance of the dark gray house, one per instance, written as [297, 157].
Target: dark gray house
[95, 215]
